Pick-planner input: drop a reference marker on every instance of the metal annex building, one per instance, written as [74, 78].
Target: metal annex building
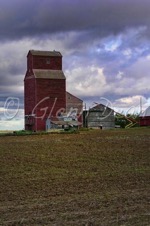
[100, 116]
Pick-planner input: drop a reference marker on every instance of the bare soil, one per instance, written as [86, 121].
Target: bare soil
[96, 177]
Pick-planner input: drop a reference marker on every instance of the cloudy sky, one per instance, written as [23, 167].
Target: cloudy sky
[105, 46]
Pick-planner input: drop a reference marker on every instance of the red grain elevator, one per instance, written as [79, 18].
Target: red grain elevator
[44, 88]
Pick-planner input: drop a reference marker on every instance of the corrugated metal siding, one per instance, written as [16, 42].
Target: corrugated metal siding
[103, 117]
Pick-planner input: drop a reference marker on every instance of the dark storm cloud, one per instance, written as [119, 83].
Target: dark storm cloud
[12, 67]
[28, 18]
